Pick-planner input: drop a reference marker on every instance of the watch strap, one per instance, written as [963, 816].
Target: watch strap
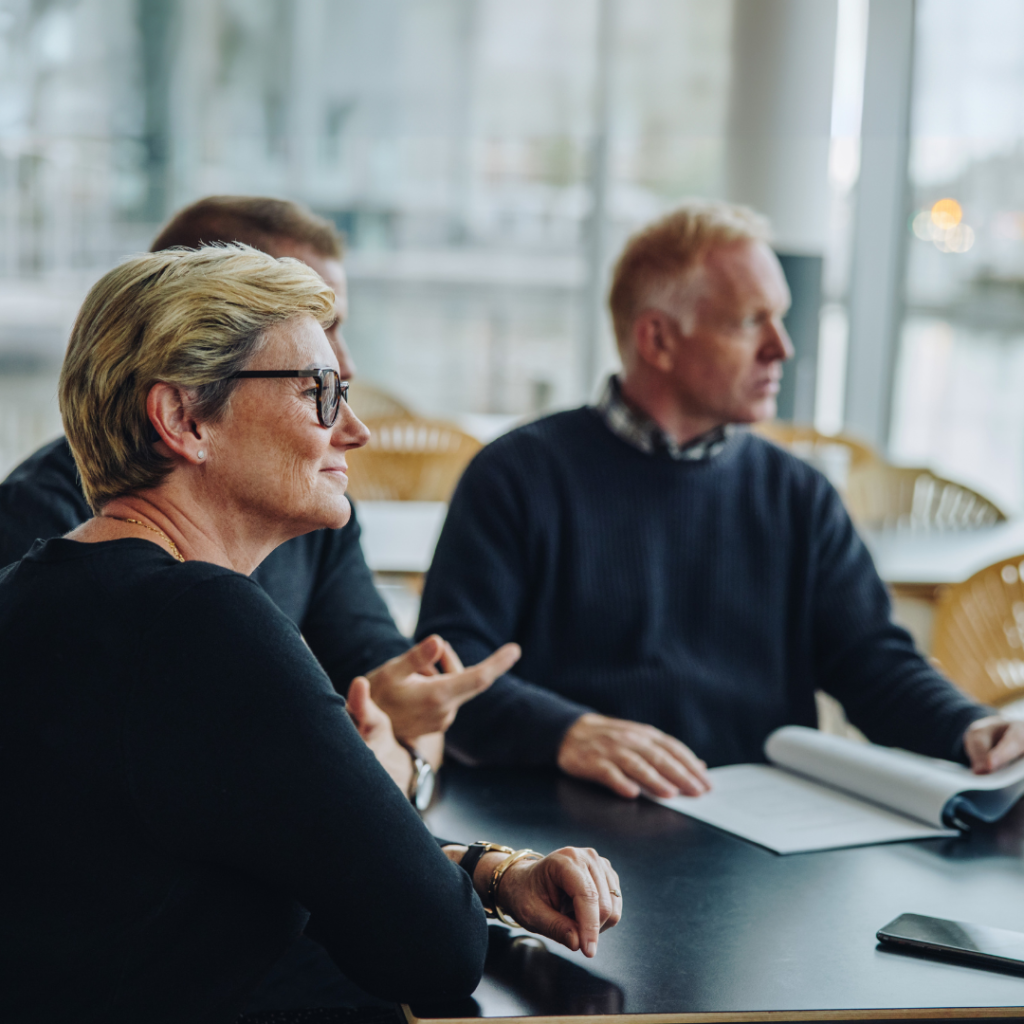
[472, 856]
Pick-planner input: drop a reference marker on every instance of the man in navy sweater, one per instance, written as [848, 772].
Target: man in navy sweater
[679, 587]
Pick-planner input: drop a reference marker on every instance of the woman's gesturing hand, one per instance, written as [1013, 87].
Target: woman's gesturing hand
[375, 728]
[570, 895]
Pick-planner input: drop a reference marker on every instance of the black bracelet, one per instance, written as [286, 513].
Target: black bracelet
[471, 858]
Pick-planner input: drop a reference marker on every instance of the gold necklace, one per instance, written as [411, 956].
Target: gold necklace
[138, 522]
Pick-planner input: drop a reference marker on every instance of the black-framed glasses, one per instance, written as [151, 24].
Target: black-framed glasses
[331, 390]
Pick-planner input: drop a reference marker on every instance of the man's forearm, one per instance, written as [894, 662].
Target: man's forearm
[514, 722]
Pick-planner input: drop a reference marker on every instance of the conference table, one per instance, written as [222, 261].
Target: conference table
[926, 559]
[718, 929]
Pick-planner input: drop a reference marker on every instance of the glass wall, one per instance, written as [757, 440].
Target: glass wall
[959, 396]
[461, 145]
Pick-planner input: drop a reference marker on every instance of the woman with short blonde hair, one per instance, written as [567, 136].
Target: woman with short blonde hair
[190, 318]
[190, 787]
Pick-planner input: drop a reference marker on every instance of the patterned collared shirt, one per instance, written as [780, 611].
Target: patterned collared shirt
[645, 435]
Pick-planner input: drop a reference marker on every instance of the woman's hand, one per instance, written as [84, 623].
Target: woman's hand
[570, 896]
[375, 728]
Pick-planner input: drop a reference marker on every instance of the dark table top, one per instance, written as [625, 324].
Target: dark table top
[713, 924]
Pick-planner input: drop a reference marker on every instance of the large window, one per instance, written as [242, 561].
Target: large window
[462, 145]
[959, 402]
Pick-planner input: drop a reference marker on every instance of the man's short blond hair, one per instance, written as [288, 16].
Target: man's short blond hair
[664, 251]
[190, 318]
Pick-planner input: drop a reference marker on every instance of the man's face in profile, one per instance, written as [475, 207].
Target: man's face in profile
[728, 366]
[333, 274]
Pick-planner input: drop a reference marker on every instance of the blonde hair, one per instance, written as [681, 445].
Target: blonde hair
[190, 318]
[665, 250]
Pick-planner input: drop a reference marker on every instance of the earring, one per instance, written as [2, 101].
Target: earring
[200, 454]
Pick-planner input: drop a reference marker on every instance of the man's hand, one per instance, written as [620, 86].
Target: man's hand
[993, 742]
[570, 896]
[419, 699]
[625, 756]
[375, 728]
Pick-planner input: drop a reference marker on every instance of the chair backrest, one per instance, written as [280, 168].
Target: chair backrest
[799, 439]
[884, 497]
[979, 633]
[410, 459]
[371, 402]
[836, 455]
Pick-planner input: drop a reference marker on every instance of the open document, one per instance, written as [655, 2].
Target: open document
[824, 792]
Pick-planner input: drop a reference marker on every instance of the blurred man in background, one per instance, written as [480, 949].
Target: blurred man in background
[321, 581]
[680, 588]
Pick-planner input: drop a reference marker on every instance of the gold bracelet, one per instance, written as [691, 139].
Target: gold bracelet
[491, 906]
[483, 847]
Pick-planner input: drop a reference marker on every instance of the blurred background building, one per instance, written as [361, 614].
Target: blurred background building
[487, 158]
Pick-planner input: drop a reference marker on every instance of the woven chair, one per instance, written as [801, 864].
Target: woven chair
[370, 402]
[884, 497]
[803, 441]
[979, 633]
[410, 459]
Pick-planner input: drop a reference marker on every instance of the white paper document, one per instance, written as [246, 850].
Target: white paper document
[825, 792]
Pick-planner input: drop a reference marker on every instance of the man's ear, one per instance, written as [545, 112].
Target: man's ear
[654, 339]
[168, 409]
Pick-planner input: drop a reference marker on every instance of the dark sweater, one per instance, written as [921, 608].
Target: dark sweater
[179, 784]
[710, 599]
[320, 581]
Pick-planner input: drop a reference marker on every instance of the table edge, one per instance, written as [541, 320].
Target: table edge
[719, 1017]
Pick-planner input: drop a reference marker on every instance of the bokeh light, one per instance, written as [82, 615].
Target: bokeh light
[946, 214]
[958, 239]
[942, 225]
[922, 225]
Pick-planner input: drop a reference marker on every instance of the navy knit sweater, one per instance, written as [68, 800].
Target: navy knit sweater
[710, 599]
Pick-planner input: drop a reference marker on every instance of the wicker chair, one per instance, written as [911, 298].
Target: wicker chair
[979, 633]
[884, 497]
[804, 440]
[371, 402]
[410, 459]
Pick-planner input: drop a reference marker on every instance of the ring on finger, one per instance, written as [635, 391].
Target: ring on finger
[615, 892]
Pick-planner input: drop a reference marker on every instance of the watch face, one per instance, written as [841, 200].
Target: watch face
[424, 791]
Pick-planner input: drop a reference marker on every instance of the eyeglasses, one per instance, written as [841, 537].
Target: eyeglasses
[330, 389]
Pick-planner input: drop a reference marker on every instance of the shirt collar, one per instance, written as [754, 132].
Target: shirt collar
[642, 433]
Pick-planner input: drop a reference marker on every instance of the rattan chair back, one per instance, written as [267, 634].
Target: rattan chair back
[805, 441]
[884, 497]
[979, 633]
[410, 459]
[371, 402]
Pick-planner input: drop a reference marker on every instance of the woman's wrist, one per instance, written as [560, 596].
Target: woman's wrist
[484, 870]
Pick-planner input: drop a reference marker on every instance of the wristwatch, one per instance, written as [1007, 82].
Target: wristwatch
[421, 788]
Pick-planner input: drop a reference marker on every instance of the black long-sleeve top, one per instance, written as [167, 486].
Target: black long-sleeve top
[320, 580]
[179, 785]
[708, 598]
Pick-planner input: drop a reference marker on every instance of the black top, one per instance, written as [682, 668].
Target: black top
[320, 581]
[710, 599]
[179, 784]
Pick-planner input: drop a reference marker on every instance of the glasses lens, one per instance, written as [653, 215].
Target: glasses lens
[330, 398]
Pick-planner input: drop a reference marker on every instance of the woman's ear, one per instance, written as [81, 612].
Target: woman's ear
[168, 409]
